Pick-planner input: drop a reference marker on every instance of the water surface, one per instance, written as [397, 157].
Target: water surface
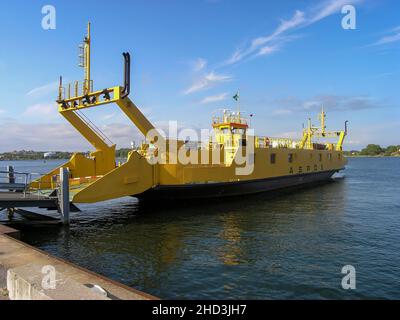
[285, 245]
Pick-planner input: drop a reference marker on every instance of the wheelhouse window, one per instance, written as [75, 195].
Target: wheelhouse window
[239, 131]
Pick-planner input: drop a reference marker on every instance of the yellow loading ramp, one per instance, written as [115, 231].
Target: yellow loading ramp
[96, 177]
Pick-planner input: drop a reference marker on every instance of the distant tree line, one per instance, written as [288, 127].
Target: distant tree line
[38, 155]
[369, 150]
[122, 153]
[33, 155]
[376, 150]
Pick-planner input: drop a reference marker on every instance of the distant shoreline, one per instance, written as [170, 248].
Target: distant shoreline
[376, 156]
[25, 155]
[45, 160]
[121, 158]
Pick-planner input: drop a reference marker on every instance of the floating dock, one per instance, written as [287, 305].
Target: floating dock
[15, 195]
[9, 200]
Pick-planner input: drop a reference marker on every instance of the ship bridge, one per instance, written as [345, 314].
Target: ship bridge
[230, 129]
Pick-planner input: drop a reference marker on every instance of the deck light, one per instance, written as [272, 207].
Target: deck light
[64, 105]
[106, 94]
[86, 100]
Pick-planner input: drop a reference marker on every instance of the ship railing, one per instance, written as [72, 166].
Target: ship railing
[14, 181]
[76, 89]
[260, 142]
[277, 143]
[230, 119]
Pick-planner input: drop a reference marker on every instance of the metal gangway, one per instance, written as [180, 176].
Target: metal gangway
[16, 193]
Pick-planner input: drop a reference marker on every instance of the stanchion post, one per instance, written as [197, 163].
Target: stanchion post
[64, 195]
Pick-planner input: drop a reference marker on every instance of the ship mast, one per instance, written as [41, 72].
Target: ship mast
[321, 132]
[84, 61]
[322, 117]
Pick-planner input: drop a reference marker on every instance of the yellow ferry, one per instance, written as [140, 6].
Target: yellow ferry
[235, 162]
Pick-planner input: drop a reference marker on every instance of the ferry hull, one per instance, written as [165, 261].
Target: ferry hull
[217, 190]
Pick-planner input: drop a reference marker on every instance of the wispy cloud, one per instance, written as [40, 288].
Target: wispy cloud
[207, 81]
[200, 64]
[44, 90]
[279, 36]
[109, 116]
[268, 44]
[327, 8]
[292, 105]
[267, 50]
[260, 42]
[48, 110]
[215, 98]
[47, 136]
[41, 137]
[390, 37]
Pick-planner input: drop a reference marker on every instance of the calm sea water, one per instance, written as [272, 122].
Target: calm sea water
[286, 245]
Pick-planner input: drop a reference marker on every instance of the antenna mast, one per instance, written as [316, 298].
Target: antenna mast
[84, 61]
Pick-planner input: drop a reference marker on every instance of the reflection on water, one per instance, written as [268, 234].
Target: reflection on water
[289, 244]
[230, 252]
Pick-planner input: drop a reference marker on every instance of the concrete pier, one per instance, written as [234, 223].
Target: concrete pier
[31, 274]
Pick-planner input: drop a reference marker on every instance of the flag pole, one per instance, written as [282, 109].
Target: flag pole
[237, 98]
[239, 102]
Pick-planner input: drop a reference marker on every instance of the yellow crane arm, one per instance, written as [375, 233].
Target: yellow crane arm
[339, 145]
[304, 140]
[135, 115]
[95, 140]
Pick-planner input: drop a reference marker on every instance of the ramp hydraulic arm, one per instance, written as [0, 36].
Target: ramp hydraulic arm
[76, 98]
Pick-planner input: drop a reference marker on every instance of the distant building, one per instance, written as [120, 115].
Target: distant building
[49, 155]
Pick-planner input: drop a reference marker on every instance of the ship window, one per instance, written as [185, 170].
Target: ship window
[330, 156]
[300, 169]
[320, 157]
[273, 158]
[238, 131]
[308, 168]
[290, 157]
[225, 131]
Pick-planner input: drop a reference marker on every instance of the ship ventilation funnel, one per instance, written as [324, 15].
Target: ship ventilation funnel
[127, 75]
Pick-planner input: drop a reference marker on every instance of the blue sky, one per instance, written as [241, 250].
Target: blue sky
[287, 58]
